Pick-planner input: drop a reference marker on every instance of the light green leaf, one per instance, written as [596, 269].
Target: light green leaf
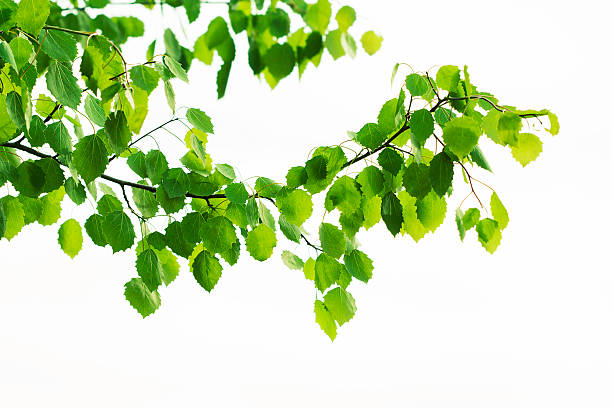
[325, 319]
[144, 77]
[13, 216]
[412, 225]
[51, 207]
[527, 149]
[70, 237]
[333, 240]
[489, 234]
[327, 271]
[318, 15]
[359, 265]
[260, 242]
[296, 206]
[141, 298]
[461, 135]
[176, 68]
[371, 42]
[59, 45]
[31, 15]
[371, 181]
[117, 131]
[7, 126]
[447, 77]
[22, 52]
[370, 136]
[6, 53]
[508, 127]
[371, 208]
[218, 234]
[94, 110]
[343, 194]
[431, 211]
[290, 231]
[416, 84]
[149, 269]
[309, 269]
[554, 124]
[500, 214]
[470, 218]
[145, 202]
[341, 305]
[292, 261]
[200, 120]
[333, 43]
[459, 221]
[345, 17]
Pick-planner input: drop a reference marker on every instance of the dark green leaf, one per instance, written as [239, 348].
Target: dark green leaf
[62, 84]
[391, 212]
[441, 173]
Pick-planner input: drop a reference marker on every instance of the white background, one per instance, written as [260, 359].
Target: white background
[441, 324]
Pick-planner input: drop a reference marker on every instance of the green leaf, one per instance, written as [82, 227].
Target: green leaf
[341, 305]
[447, 77]
[29, 179]
[54, 176]
[31, 15]
[416, 85]
[278, 22]
[7, 126]
[527, 149]
[62, 84]
[141, 298]
[59, 45]
[145, 202]
[370, 136]
[296, 176]
[6, 53]
[176, 239]
[236, 193]
[441, 173]
[192, 8]
[51, 207]
[332, 240]
[390, 160]
[470, 218]
[70, 237]
[333, 43]
[499, 212]
[390, 116]
[344, 195]
[266, 187]
[13, 216]
[371, 181]
[200, 120]
[461, 135]
[90, 157]
[459, 221]
[156, 166]
[290, 231]
[417, 181]
[280, 60]
[260, 242]
[119, 230]
[14, 108]
[93, 226]
[75, 191]
[296, 206]
[431, 211]
[478, 157]
[318, 15]
[226, 170]
[391, 213]
[94, 110]
[327, 271]
[32, 208]
[371, 208]
[309, 269]
[217, 33]
[292, 261]
[325, 319]
[345, 17]
[218, 234]
[316, 171]
[2, 220]
[421, 125]
[359, 265]
[489, 234]
[22, 51]
[175, 183]
[508, 127]
[117, 131]
[176, 68]
[144, 77]
[58, 138]
[554, 124]
[371, 42]
[149, 269]
[206, 269]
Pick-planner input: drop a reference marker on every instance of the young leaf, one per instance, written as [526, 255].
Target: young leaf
[70, 237]
[149, 269]
[340, 304]
[260, 242]
[141, 298]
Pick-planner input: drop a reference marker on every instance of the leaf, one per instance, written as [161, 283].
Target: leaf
[226, 170]
[93, 226]
[62, 84]
[13, 216]
[417, 180]
[216, 33]
[149, 269]
[431, 211]
[206, 269]
[441, 173]
[176, 68]
[371, 208]
[260, 242]
[141, 298]
[75, 191]
[296, 206]
[94, 110]
[176, 239]
[156, 165]
[145, 202]
[489, 234]
[53, 174]
[14, 108]
[6, 53]
[461, 135]
[280, 60]
[51, 207]
[345, 17]
[478, 157]
[390, 160]
[309, 269]
[58, 138]
[144, 77]
[90, 157]
[236, 193]
[459, 221]
[175, 183]
[390, 116]
[31, 15]
[200, 120]
[70, 237]
[447, 77]
[344, 195]
[371, 181]
[192, 8]
[290, 231]
[22, 52]
[218, 234]
[527, 149]
[416, 85]
[327, 271]
[296, 176]
[341, 305]
[318, 15]
[370, 136]
[29, 179]
[32, 208]
[359, 265]
[500, 214]
[371, 42]
[292, 261]
[332, 240]
[391, 213]
[118, 230]
[421, 125]
[325, 319]
[58, 45]
[278, 22]
[470, 218]
[554, 124]
[333, 43]
[117, 132]
[508, 127]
